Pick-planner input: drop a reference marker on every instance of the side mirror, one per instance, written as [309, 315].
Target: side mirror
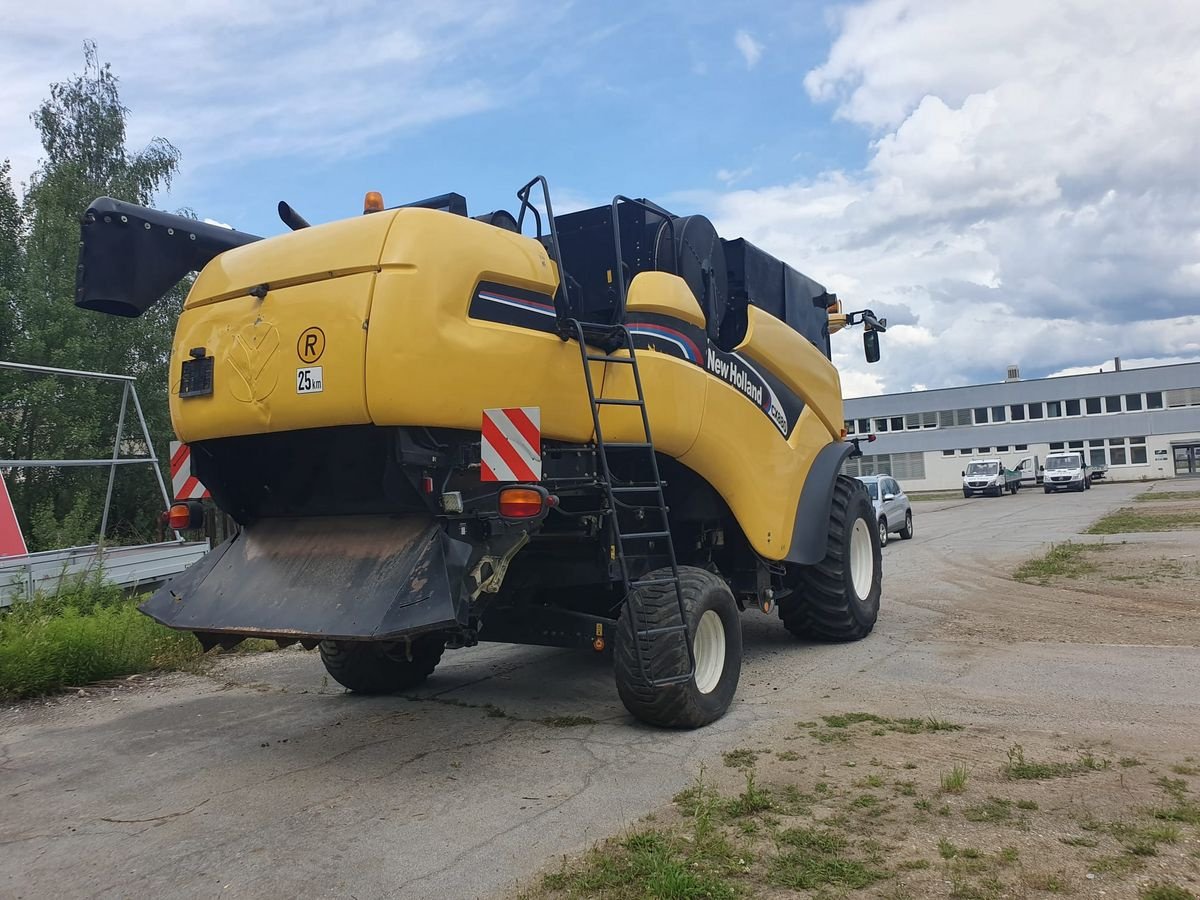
[887, 497]
[963, 473]
[1041, 468]
[871, 346]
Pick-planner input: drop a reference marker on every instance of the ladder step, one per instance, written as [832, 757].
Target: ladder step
[645, 535]
[610, 359]
[628, 445]
[637, 489]
[666, 629]
[601, 401]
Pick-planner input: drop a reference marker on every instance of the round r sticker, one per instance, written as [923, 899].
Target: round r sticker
[311, 344]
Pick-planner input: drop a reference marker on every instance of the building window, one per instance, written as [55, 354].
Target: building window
[1137, 455]
[864, 426]
[965, 451]
[1053, 409]
[1056, 446]
[897, 465]
[1117, 455]
[1073, 408]
[1112, 404]
[1018, 412]
[848, 425]
[1097, 456]
[1093, 406]
[881, 424]
[998, 414]
[1133, 402]
[1182, 397]
[1154, 400]
[947, 453]
[984, 451]
[1035, 410]
[981, 417]
[898, 423]
[1074, 445]
[1021, 447]
[1002, 449]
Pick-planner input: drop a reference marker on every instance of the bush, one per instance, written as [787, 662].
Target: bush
[87, 631]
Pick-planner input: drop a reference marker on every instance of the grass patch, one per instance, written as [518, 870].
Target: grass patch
[993, 811]
[936, 495]
[740, 758]
[1050, 882]
[813, 858]
[647, 863]
[1061, 561]
[1161, 890]
[1118, 866]
[835, 725]
[563, 721]
[847, 719]
[1152, 496]
[750, 801]
[1183, 812]
[955, 781]
[1018, 767]
[1181, 769]
[1128, 762]
[1128, 519]
[88, 631]
[788, 756]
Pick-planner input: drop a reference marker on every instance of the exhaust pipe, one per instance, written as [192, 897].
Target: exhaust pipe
[130, 256]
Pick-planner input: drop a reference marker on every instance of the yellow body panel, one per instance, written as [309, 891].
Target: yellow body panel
[429, 364]
[256, 348]
[674, 389]
[391, 293]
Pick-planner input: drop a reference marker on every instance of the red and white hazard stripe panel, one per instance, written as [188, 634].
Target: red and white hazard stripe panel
[512, 444]
[184, 484]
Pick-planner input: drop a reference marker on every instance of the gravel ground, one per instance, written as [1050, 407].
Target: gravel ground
[260, 779]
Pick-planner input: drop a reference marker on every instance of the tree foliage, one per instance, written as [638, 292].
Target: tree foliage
[83, 134]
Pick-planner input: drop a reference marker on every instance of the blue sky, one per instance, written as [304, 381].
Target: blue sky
[647, 102]
[1009, 183]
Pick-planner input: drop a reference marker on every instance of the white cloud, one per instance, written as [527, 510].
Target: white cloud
[733, 176]
[750, 49]
[231, 82]
[208, 221]
[1030, 193]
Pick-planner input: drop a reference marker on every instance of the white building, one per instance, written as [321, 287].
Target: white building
[1141, 423]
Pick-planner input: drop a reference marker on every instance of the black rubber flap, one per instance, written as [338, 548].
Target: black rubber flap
[348, 577]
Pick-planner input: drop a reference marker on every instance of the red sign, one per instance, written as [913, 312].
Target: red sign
[12, 543]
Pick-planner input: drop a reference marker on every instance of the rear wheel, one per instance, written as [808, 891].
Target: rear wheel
[883, 532]
[838, 598]
[1045, 489]
[907, 531]
[715, 628]
[966, 493]
[382, 667]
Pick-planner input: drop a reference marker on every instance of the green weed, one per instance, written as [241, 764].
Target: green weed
[955, 781]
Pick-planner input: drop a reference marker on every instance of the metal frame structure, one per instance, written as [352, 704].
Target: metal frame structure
[129, 391]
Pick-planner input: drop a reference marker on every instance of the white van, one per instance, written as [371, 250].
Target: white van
[1065, 470]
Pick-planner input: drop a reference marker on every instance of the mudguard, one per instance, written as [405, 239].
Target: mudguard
[337, 577]
[810, 534]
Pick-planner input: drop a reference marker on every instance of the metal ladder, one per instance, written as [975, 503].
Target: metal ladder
[612, 339]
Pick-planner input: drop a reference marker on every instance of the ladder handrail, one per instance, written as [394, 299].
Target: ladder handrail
[615, 506]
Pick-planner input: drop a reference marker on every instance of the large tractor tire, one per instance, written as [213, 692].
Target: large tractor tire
[715, 628]
[382, 667]
[838, 598]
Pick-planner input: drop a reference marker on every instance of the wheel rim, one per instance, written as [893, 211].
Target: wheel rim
[908, 523]
[862, 559]
[882, 534]
[708, 646]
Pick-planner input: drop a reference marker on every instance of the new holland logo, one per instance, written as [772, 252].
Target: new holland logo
[735, 371]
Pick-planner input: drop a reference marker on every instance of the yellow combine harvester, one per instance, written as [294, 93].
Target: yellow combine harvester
[435, 430]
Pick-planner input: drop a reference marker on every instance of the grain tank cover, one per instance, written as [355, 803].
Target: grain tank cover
[758, 278]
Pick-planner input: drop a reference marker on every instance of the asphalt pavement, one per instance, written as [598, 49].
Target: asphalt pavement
[263, 779]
